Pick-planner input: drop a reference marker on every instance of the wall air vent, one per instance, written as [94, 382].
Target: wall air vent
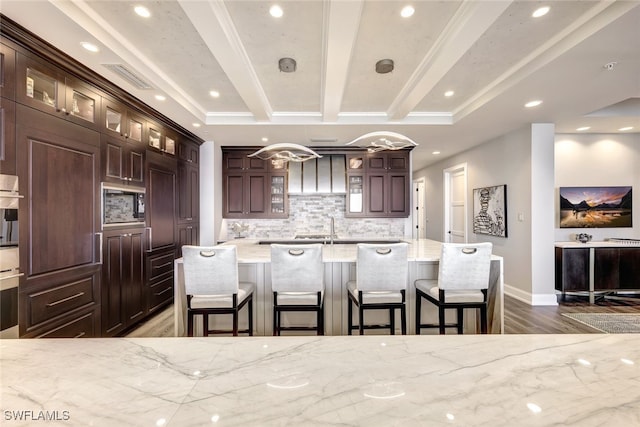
[129, 76]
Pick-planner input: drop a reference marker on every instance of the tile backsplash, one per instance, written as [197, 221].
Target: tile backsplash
[309, 214]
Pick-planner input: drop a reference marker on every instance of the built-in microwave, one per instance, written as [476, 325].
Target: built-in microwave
[122, 205]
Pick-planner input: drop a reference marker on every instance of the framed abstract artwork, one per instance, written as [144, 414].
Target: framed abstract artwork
[595, 207]
[490, 210]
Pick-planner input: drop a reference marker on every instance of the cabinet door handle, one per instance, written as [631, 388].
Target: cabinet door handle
[80, 335]
[100, 235]
[162, 292]
[60, 301]
[157, 267]
[149, 238]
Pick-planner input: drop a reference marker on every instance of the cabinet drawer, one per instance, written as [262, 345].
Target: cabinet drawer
[47, 304]
[78, 327]
[160, 292]
[159, 266]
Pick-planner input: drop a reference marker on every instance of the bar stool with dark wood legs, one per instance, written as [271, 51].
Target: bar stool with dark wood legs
[297, 282]
[463, 280]
[382, 271]
[212, 287]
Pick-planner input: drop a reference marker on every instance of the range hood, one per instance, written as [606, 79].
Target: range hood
[325, 175]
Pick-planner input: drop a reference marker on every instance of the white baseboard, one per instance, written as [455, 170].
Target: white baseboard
[529, 298]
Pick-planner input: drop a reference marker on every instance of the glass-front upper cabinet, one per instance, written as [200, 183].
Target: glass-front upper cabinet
[119, 121]
[7, 72]
[49, 89]
[278, 195]
[355, 162]
[355, 194]
[162, 140]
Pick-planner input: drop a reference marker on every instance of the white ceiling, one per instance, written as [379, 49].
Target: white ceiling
[493, 54]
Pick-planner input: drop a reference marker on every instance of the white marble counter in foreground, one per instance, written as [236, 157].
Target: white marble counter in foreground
[490, 380]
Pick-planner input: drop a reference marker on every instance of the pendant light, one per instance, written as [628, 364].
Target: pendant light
[383, 140]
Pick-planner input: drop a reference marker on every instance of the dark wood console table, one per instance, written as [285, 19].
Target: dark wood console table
[597, 268]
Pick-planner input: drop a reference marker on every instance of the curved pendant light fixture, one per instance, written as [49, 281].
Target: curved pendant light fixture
[285, 152]
[383, 140]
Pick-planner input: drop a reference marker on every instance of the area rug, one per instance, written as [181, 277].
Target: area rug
[612, 323]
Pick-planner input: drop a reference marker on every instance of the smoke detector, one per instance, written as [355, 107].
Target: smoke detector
[288, 65]
[384, 66]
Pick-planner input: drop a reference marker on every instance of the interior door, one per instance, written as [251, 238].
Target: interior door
[419, 215]
[455, 215]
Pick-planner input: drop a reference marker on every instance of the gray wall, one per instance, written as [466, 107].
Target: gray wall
[505, 160]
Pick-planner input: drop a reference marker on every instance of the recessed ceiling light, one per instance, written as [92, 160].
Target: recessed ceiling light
[142, 11]
[161, 97]
[583, 128]
[435, 152]
[625, 128]
[214, 93]
[89, 46]
[276, 11]
[532, 104]
[449, 93]
[540, 12]
[265, 139]
[196, 125]
[407, 11]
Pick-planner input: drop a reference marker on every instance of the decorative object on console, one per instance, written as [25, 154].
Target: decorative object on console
[383, 140]
[285, 152]
[583, 237]
[595, 207]
[490, 210]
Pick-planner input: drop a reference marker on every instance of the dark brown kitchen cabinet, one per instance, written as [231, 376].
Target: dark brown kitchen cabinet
[188, 234]
[159, 269]
[121, 122]
[188, 192]
[7, 72]
[161, 140]
[378, 184]
[161, 201]
[58, 165]
[123, 287]
[7, 137]
[252, 188]
[189, 152]
[123, 161]
[49, 89]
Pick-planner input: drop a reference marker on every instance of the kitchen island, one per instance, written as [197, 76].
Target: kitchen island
[470, 380]
[340, 262]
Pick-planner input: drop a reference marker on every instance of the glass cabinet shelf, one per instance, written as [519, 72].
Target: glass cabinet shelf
[41, 87]
[277, 195]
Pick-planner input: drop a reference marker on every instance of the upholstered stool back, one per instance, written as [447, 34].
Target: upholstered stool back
[464, 266]
[210, 270]
[297, 268]
[382, 267]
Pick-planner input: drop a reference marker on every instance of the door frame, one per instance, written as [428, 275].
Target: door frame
[419, 219]
[448, 174]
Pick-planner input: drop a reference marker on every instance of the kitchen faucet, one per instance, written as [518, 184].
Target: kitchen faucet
[332, 232]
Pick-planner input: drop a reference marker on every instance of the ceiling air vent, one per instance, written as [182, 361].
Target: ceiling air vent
[129, 76]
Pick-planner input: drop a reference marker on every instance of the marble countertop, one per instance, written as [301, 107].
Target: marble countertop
[472, 380]
[250, 251]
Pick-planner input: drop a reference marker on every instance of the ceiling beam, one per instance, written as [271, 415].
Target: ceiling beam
[469, 23]
[340, 26]
[216, 28]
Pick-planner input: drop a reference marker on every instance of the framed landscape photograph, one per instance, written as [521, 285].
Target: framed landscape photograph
[595, 207]
[490, 210]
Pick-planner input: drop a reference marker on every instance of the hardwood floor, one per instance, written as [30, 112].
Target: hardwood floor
[519, 317]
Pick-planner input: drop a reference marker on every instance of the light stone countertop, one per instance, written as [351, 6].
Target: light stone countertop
[250, 251]
[470, 380]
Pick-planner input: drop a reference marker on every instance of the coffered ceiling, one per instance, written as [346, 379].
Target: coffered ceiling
[493, 55]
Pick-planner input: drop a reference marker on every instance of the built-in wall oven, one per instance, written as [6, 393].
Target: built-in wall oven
[122, 206]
